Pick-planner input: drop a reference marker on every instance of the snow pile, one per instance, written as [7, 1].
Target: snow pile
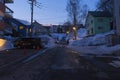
[94, 45]
[4, 44]
[58, 36]
[99, 39]
[99, 50]
[115, 64]
[82, 32]
[49, 42]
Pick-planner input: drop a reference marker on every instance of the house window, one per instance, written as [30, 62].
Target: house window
[100, 20]
[21, 27]
[92, 30]
[91, 21]
[100, 28]
[88, 32]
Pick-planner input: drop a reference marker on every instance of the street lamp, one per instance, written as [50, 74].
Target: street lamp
[74, 28]
[75, 32]
[67, 32]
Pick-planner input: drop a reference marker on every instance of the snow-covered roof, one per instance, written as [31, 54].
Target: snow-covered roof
[24, 22]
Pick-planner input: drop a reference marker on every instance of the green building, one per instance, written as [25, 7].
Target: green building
[98, 22]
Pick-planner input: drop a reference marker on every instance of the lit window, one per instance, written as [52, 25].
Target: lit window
[30, 30]
[21, 27]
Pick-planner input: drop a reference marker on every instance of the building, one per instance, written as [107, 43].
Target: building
[117, 16]
[39, 29]
[98, 22]
[18, 27]
[4, 12]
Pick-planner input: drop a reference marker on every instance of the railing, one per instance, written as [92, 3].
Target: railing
[8, 11]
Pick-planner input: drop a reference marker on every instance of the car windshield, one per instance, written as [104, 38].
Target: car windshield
[59, 39]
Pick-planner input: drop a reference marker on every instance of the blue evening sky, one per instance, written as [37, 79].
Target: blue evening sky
[51, 11]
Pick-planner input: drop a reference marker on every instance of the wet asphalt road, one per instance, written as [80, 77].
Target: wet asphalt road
[58, 63]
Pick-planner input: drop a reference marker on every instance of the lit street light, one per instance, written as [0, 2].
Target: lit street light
[74, 28]
[75, 32]
[67, 32]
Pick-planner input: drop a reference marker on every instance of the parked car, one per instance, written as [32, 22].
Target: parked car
[28, 43]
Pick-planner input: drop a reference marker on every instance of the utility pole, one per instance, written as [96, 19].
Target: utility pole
[32, 7]
[31, 2]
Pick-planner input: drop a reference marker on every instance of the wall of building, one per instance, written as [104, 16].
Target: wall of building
[102, 24]
[90, 25]
[2, 10]
[117, 15]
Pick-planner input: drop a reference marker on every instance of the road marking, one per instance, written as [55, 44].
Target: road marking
[33, 56]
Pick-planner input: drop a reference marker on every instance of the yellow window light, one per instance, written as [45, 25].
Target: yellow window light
[2, 42]
[21, 27]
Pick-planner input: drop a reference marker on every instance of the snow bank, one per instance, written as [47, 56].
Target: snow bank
[82, 32]
[94, 45]
[4, 44]
[50, 41]
[58, 36]
[99, 39]
[99, 50]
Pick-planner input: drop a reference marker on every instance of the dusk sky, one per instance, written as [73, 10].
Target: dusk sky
[51, 11]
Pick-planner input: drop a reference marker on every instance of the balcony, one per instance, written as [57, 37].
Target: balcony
[8, 1]
[8, 12]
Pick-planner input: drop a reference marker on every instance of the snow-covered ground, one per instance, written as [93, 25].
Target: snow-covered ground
[96, 45]
[99, 39]
[58, 36]
[50, 43]
[92, 45]
[82, 32]
[97, 50]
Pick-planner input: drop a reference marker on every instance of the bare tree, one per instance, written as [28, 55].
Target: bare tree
[76, 11]
[73, 8]
[105, 5]
[83, 13]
